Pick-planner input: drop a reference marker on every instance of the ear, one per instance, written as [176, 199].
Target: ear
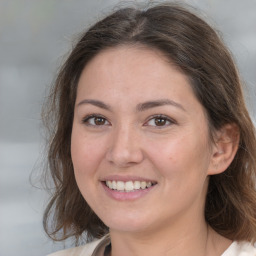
[224, 148]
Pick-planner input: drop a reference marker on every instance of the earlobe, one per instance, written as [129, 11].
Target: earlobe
[224, 148]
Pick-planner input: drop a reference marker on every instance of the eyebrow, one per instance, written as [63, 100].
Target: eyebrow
[96, 103]
[158, 103]
[140, 107]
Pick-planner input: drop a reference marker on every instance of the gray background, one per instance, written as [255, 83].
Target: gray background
[34, 36]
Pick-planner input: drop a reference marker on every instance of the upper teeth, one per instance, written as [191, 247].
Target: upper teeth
[128, 185]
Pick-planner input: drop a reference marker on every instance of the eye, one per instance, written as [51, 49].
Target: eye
[160, 121]
[95, 120]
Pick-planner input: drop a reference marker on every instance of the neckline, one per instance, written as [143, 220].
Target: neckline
[104, 247]
[104, 243]
[231, 246]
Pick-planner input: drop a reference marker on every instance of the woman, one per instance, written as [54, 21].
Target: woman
[153, 151]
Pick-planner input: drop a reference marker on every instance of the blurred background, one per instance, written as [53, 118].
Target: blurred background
[34, 37]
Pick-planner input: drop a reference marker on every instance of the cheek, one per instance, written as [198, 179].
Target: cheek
[84, 153]
[180, 155]
[85, 161]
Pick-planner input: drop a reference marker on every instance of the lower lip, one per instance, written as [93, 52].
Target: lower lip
[123, 196]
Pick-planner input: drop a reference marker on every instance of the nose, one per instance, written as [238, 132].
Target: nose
[125, 148]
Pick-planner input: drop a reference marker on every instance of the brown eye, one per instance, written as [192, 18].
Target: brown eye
[160, 121]
[99, 121]
[94, 120]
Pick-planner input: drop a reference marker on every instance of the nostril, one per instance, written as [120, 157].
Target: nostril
[123, 157]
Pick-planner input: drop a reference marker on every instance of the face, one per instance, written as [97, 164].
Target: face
[140, 145]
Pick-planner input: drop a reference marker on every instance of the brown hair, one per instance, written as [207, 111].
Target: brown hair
[192, 45]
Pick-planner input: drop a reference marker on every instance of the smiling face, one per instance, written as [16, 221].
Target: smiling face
[140, 145]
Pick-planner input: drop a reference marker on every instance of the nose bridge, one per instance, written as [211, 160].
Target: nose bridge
[125, 147]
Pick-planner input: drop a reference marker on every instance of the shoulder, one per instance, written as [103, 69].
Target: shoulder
[85, 250]
[240, 249]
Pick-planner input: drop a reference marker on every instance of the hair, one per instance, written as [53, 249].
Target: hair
[193, 46]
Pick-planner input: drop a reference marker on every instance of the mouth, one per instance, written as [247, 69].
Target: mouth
[128, 186]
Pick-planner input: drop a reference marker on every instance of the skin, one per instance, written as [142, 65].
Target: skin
[127, 142]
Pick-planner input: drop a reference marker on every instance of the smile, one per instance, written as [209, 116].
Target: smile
[128, 186]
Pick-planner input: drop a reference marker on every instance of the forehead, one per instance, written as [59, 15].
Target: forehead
[131, 67]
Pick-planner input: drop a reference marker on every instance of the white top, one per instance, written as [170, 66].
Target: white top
[86, 250]
[92, 249]
[240, 249]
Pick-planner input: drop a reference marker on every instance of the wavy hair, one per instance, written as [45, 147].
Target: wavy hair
[193, 46]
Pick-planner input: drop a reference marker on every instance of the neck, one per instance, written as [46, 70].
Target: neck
[193, 241]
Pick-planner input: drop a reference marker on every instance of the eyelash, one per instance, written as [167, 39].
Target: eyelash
[163, 117]
[86, 120]
[94, 116]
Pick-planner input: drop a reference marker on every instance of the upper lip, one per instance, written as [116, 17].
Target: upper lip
[127, 178]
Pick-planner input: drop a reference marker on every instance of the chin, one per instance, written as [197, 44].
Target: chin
[125, 223]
